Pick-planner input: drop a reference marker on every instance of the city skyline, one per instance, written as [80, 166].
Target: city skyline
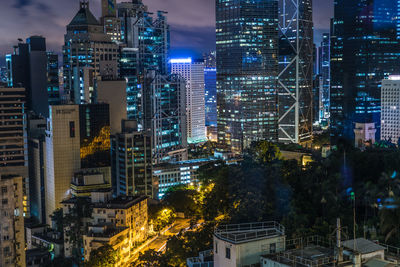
[192, 25]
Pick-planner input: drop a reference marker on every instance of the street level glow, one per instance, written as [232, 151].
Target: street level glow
[394, 77]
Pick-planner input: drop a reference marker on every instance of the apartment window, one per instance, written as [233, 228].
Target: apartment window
[71, 129]
[4, 189]
[272, 248]
[4, 201]
[227, 253]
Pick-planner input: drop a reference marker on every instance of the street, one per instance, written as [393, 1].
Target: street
[159, 242]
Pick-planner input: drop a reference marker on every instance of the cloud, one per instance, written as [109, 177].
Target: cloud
[192, 21]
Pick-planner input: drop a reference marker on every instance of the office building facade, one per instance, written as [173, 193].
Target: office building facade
[193, 73]
[364, 51]
[62, 154]
[295, 77]
[132, 162]
[247, 67]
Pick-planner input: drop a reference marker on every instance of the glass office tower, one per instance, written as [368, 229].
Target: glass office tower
[295, 71]
[247, 67]
[364, 51]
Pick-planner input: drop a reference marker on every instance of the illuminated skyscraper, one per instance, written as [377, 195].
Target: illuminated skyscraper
[109, 19]
[325, 72]
[247, 67]
[88, 52]
[295, 70]
[365, 50]
[193, 73]
[154, 97]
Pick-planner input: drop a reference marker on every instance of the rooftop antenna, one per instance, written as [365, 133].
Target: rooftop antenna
[84, 3]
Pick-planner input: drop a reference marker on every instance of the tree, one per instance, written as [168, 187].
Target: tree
[104, 256]
[57, 217]
[151, 258]
[183, 199]
[264, 152]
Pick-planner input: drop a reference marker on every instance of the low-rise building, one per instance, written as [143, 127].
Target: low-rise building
[183, 172]
[244, 244]
[117, 237]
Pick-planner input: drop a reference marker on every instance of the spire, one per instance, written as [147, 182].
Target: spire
[84, 4]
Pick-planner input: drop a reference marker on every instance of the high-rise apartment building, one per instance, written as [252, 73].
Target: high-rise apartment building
[247, 67]
[295, 77]
[62, 154]
[87, 53]
[13, 141]
[390, 105]
[12, 231]
[28, 68]
[132, 162]
[364, 50]
[193, 73]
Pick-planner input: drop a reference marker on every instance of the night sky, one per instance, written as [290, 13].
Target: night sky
[192, 21]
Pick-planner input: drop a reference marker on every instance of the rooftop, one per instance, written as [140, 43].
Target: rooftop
[362, 246]
[84, 17]
[121, 202]
[309, 256]
[242, 233]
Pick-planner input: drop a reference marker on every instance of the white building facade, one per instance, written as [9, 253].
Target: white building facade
[390, 109]
[193, 72]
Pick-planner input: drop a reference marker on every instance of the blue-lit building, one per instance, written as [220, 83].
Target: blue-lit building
[365, 49]
[156, 99]
[247, 71]
[210, 81]
[325, 72]
[88, 52]
[173, 174]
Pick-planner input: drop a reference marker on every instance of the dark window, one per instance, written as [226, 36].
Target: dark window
[216, 247]
[71, 129]
[272, 248]
[4, 189]
[228, 253]
[4, 201]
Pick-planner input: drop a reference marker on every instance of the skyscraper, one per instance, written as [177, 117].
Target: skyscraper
[210, 81]
[132, 162]
[193, 73]
[109, 19]
[53, 85]
[87, 53]
[154, 97]
[325, 72]
[62, 154]
[13, 142]
[364, 51]
[390, 97]
[295, 70]
[28, 69]
[247, 67]
[94, 127]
